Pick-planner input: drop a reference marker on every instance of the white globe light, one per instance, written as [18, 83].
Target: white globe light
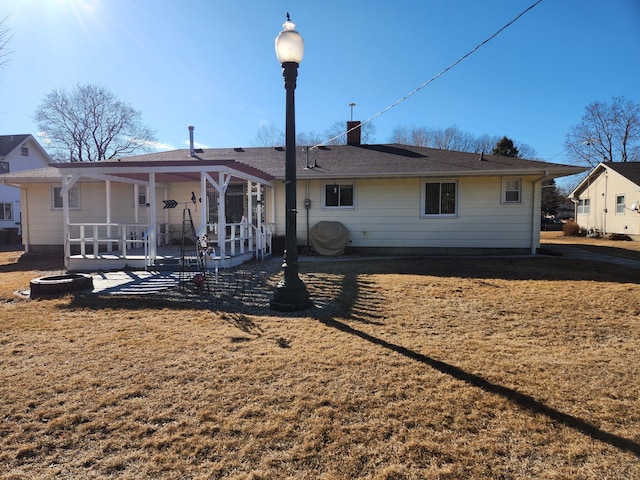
[289, 44]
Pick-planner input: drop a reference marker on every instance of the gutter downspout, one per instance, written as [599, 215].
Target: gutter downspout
[535, 227]
[24, 219]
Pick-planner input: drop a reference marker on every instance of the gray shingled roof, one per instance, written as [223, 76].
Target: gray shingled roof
[8, 143]
[629, 170]
[392, 160]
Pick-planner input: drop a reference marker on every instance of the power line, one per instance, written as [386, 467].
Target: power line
[438, 75]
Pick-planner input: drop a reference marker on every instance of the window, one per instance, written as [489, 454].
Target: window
[511, 190]
[25, 152]
[440, 198]
[4, 167]
[620, 204]
[142, 196]
[583, 205]
[339, 195]
[6, 211]
[74, 198]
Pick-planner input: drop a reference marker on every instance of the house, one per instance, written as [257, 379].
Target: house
[17, 153]
[607, 201]
[391, 198]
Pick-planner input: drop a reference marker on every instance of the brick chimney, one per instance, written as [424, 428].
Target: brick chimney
[354, 136]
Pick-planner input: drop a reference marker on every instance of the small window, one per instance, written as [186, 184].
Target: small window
[6, 212]
[583, 205]
[339, 195]
[25, 152]
[4, 167]
[142, 196]
[619, 204]
[440, 199]
[511, 190]
[74, 198]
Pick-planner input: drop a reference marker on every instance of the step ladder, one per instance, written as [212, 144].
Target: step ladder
[193, 267]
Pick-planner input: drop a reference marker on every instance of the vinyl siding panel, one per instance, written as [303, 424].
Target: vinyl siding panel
[602, 192]
[388, 214]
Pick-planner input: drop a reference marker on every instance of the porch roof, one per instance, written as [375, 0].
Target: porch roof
[166, 171]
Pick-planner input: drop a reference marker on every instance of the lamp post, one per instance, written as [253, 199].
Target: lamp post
[291, 293]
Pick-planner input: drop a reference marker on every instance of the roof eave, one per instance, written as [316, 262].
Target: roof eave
[552, 172]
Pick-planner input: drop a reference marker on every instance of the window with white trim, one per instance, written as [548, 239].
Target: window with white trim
[143, 196]
[620, 204]
[339, 195]
[440, 198]
[4, 167]
[583, 205]
[25, 151]
[74, 198]
[6, 212]
[511, 190]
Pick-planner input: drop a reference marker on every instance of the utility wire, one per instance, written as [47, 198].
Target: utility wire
[442, 72]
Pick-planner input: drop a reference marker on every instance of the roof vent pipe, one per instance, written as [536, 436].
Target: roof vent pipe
[482, 156]
[192, 151]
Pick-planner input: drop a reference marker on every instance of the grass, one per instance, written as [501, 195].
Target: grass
[425, 368]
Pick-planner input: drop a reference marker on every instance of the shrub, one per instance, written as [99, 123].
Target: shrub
[571, 229]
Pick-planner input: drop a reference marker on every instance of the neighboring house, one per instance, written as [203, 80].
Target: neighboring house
[608, 199]
[391, 198]
[17, 153]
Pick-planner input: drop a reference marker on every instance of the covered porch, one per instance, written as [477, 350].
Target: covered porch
[179, 209]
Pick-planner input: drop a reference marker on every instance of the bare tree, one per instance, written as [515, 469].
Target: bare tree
[337, 133]
[608, 132]
[484, 143]
[90, 124]
[5, 38]
[269, 136]
[451, 138]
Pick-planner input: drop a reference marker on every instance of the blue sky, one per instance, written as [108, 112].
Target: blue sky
[211, 64]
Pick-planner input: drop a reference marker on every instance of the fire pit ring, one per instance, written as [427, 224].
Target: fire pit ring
[60, 284]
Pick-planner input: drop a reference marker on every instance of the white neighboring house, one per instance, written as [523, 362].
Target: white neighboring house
[391, 199]
[608, 199]
[17, 153]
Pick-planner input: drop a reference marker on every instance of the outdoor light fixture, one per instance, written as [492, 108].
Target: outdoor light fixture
[291, 293]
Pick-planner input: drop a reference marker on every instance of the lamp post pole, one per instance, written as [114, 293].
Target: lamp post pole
[291, 293]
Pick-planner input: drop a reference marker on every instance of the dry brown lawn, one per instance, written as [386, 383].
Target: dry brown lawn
[424, 368]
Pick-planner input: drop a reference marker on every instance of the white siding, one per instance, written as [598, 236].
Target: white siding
[388, 214]
[18, 162]
[602, 192]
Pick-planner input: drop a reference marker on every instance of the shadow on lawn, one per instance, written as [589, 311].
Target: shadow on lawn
[25, 262]
[525, 402]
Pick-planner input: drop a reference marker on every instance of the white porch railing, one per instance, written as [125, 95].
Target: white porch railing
[106, 237]
[241, 238]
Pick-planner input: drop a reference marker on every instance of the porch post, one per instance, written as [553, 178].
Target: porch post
[65, 220]
[250, 213]
[203, 206]
[152, 217]
[259, 237]
[136, 207]
[108, 204]
[222, 217]
[167, 232]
